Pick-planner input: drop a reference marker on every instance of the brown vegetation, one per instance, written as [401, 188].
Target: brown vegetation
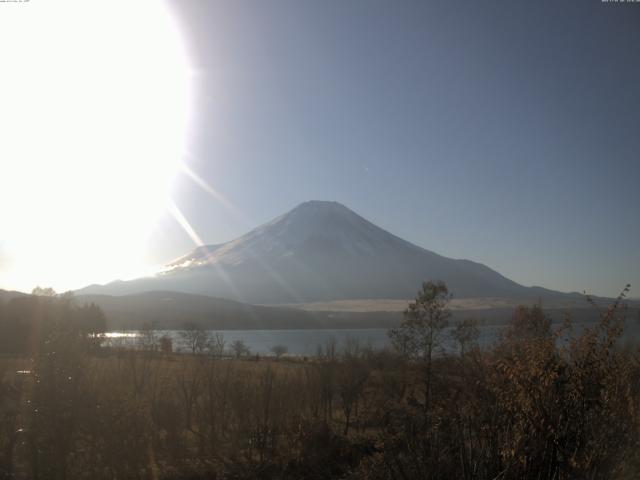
[539, 404]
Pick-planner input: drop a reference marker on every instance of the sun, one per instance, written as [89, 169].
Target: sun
[94, 110]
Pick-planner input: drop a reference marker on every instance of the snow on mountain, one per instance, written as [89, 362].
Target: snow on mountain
[320, 251]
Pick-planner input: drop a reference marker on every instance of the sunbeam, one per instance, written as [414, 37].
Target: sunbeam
[94, 118]
[198, 180]
[177, 214]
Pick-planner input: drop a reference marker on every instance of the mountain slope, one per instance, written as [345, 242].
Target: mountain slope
[320, 251]
[6, 295]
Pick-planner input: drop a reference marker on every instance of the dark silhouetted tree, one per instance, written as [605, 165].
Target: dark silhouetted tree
[279, 350]
[195, 338]
[420, 333]
[466, 333]
[239, 348]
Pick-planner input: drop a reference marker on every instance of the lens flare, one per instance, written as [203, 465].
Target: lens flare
[95, 99]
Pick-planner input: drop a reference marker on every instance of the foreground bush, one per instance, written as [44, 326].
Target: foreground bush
[542, 403]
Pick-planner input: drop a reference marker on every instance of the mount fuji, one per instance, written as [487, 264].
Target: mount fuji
[320, 251]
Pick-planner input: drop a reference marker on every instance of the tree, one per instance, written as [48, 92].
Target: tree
[239, 348]
[351, 380]
[216, 344]
[466, 332]
[420, 333]
[147, 338]
[279, 350]
[195, 337]
[28, 320]
[43, 292]
[529, 323]
[166, 344]
[89, 320]
[424, 320]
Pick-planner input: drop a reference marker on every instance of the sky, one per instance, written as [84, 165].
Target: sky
[503, 132]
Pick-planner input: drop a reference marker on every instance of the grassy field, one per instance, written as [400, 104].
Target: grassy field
[528, 407]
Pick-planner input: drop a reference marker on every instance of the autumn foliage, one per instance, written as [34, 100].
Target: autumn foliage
[545, 401]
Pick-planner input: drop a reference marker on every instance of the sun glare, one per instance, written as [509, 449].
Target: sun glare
[94, 104]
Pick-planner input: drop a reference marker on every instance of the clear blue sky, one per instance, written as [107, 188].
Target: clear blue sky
[504, 132]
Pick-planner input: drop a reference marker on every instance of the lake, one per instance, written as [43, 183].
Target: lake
[306, 342]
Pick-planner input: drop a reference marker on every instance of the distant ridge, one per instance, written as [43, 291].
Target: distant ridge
[322, 251]
[172, 310]
[6, 295]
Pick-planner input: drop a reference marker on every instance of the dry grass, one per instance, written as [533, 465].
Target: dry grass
[529, 408]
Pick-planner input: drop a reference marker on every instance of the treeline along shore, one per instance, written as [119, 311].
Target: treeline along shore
[545, 401]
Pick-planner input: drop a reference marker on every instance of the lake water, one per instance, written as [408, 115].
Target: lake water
[306, 342]
[298, 342]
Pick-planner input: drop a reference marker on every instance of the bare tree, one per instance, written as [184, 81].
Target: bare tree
[466, 333]
[239, 348]
[351, 379]
[351, 348]
[195, 337]
[216, 344]
[328, 352]
[279, 350]
[147, 338]
[166, 344]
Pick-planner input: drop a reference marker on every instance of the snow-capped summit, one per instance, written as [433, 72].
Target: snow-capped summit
[309, 229]
[320, 251]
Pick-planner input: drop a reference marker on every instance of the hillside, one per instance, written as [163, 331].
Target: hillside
[322, 251]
